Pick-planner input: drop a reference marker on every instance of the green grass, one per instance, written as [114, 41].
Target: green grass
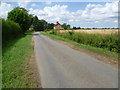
[100, 51]
[15, 57]
[108, 41]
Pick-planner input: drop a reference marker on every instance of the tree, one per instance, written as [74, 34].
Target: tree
[79, 28]
[74, 28]
[39, 25]
[43, 25]
[50, 25]
[66, 26]
[36, 23]
[20, 16]
[31, 17]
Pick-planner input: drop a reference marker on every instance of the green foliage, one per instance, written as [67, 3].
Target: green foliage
[20, 16]
[39, 25]
[66, 26]
[109, 42]
[43, 25]
[54, 32]
[15, 60]
[76, 28]
[48, 30]
[71, 33]
[36, 23]
[50, 26]
[10, 30]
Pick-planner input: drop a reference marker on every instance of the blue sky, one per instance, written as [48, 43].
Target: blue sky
[72, 6]
[83, 14]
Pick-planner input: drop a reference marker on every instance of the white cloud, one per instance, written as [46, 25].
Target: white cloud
[23, 3]
[93, 13]
[48, 2]
[116, 21]
[102, 13]
[54, 13]
[34, 5]
[4, 9]
[96, 21]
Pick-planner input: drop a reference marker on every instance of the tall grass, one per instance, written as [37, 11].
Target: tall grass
[109, 42]
[15, 60]
[10, 30]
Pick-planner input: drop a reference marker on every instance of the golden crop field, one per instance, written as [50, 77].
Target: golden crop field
[100, 31]
[101, 38]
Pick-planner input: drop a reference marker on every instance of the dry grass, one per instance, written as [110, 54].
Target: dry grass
[91, 31]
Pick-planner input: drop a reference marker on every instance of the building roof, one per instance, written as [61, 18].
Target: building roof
[58, 26]
[57, 23]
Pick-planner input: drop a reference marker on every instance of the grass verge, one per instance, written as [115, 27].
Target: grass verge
[16, 73]
[100, 51]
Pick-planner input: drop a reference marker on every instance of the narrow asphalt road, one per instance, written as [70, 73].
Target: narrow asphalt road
[63, 67]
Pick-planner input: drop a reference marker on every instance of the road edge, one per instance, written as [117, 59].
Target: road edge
[98, 56]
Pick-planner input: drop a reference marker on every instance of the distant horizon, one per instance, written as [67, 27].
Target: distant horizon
[78, 14]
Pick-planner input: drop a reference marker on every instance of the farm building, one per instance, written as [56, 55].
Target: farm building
[58, 26]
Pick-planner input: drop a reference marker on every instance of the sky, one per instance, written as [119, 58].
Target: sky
[79, 14]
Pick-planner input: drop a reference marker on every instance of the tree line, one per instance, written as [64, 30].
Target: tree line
[26, 20]
[19, 21]
[41, 25]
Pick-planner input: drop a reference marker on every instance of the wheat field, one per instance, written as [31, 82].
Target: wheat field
[91, 31]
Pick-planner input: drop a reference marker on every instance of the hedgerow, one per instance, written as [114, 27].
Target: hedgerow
[109, 41]
[10, 30]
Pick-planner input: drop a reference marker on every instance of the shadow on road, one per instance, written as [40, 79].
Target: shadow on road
[32, 33]
[35, 34]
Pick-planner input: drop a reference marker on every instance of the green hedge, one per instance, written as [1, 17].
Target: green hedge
[110, 41]
[10, 30]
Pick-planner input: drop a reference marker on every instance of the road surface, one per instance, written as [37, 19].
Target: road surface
[63, 67]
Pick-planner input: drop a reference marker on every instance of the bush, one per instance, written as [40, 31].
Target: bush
[53, 31]
[10, 30]
[109, 42]
[48, 30]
